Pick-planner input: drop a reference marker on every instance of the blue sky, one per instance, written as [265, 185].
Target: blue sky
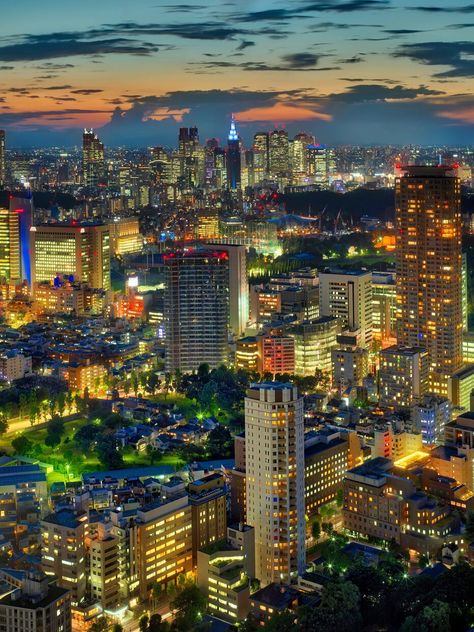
[349, 71]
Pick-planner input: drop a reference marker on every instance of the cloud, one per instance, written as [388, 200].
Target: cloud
[245, 44]
[363, 93]
[459, 56]
[86, 91]
[463, 115]
[70, 44]
[468, 8]
[281, 113]
[336, 6]
[296, 62]
[65, 87]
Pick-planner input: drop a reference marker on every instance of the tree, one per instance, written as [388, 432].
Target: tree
[219, 442]
[316, 530]
[143, 623]
[55, 431]
[433, 618]
[3, 423]
[156, 624]
[61, 403]
[117, 628]
[340, 497]
[157, 591]
[107, 452]
[423, 561]
[250, 624]
[134, 382]
[22, 445]
[328, 528]
[339, 609]
[152, 382]
[189, 605]
[101, 625]
[281, 622]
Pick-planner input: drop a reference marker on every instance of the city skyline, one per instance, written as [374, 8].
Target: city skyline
[347, 71]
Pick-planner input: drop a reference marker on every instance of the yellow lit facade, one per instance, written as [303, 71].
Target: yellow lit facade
[9, 245]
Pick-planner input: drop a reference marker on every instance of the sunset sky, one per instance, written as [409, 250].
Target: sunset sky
[349, 71]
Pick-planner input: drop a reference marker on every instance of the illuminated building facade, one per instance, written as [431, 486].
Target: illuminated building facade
[93, 166]
[104, 569]
[207, 497]
[247, 354]
[403, 375]
[429, 274]
[278, 148]
[384, 307]
[23, 207]
[81, 252]
[314, 343]
[430, 417]
[460, 387]
[234, 165]
[64, 552]
[125, 236]
[162, 542]
[326, 459]
[274, 444]
[349, 366]
[196, 309]
[277, 354]
[82, 376]
[9, 245]
[347, 295]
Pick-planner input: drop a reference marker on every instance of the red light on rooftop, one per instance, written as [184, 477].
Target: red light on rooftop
[18, 210]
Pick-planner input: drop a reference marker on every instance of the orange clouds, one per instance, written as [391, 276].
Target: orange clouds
[465, 115]
[281, 113]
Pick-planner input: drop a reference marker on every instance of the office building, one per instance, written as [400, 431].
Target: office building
[223, 572]
[430, 417]
[274, 444]
[247, 354]
[34, 605]
[9, 246]
[460, 387]
[207, 497]
[429, 276]
[207, 226]
[3, 175]
[349, 366]
[384, 307]
[23, 207]
[314, 343]
[276, 354]
[78, 251]
[347, 295]
[162, 537]
[104, 567]
[394, 442]
[125, 238]
[326, 459]
[93, 166]
[64, 552]
[196, 309]
[403, 375]
[278, 148]
[321, 164]
[261, 155]
[234, 165]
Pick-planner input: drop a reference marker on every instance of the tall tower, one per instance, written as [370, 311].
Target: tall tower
[429, 263]
[196, 306]
[261, 153]
[92, 158]
[233, 158]
[279, 152]
[2, 159]
[274, 444]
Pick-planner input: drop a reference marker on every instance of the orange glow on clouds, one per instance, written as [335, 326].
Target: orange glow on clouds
[281, 113]
[465, 115]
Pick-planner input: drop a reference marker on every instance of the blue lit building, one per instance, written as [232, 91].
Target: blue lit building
[23, 206]
[233, 158]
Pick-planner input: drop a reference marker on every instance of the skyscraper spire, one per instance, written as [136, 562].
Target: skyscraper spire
[233, 132]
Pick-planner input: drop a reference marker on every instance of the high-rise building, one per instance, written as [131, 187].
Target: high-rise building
[3, 175]
[23, 207]
[196, 308]
[278, 148]
[384, 307]
[321, 164]
[314, 343]
[299, 154]
[274, 443]
[125, 236]
[261, 156]
[403, 375]
[430, 417]
[349, 366]
[9, 245]
[63, 550]
[238, 286]
[347, 295]
[93, 166]
[233, 158]
[79, 251]
[429, 278]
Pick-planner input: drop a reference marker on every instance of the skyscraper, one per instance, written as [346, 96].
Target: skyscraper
[92, 158]
[274, 443]
[2, 158]
[261, 155]
[196, 307]
[279, 152]
[233, 158]
[23, 207]
[9, 245]
[429, 278]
